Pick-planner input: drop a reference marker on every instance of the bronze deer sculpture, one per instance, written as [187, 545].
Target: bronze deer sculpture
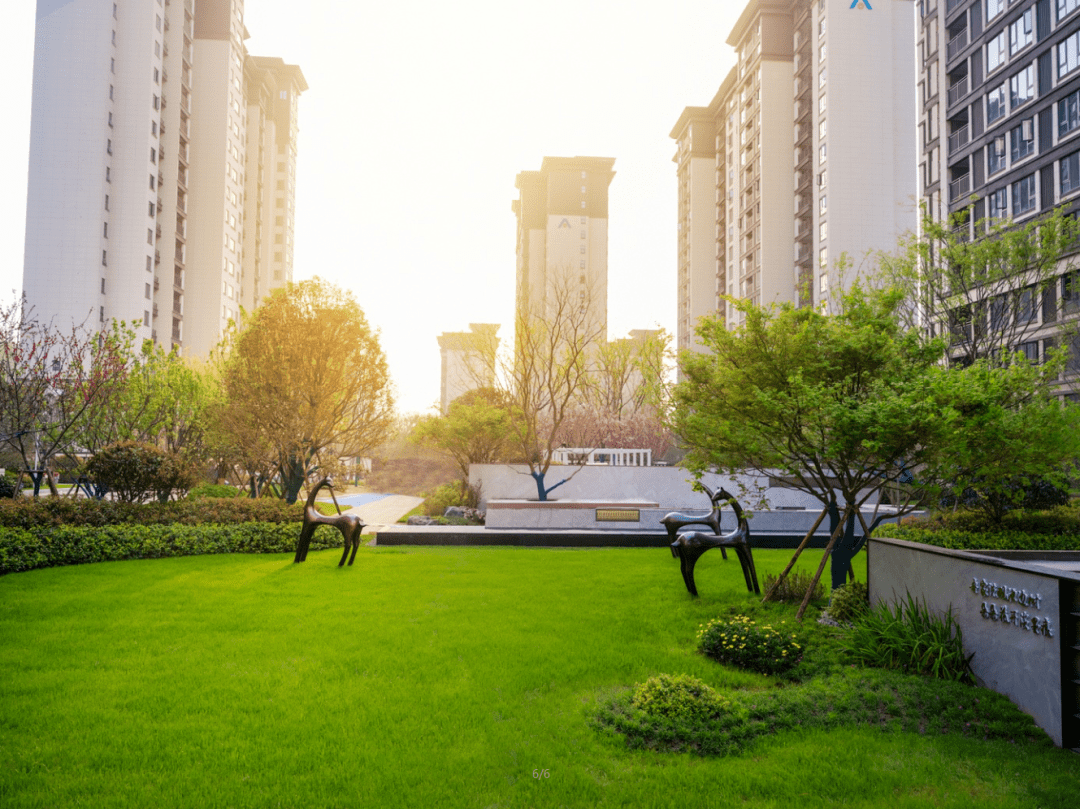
[689, 547]
[675, 520]
[350, 525]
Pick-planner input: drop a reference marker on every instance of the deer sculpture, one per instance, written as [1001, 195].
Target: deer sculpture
[690, 546]
[350, 526]
[676, 520]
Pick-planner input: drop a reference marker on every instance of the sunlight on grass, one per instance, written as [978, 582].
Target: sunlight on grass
[417, 677]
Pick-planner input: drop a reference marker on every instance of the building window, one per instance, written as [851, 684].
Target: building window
[821, 129]
[150, 236]
[993, 8]
[146, 291]
[108, 174]
[110, 92]
[1068, 113]
[102, 286]
[823, 257]
[110, 118]
[1022, 139]
[157, 76]
[1025, 305]
[153, 155]
[995, 103]
[1022, 86]
[823, 204]
[823, 231]
[104, 258]
[146, 318]
[1068, 55]
[151, 211]
[1020, 35]
[151, 182]
[821, 152]
[997, 204]
[1069, 173]
[821, 103]
[821, 79]
[106, 202]
[1023, 195]
[995, 53]
[1066, 7]
[105, 230]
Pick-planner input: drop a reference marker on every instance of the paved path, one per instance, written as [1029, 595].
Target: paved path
[380, 509]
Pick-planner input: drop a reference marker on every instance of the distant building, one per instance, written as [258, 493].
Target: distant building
[806, 152]
[562, 235]
[999, 135]
[161, 168]
[468, 361]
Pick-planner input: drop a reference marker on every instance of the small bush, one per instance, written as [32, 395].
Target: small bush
[136, 471]
[792, 589]
[221, 490]
[449, 494]
[678, 697]
[7, 487]
[742, 643]
[849, 602]
[911, 638]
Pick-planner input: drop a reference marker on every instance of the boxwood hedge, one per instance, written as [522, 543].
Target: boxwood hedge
[50, 546]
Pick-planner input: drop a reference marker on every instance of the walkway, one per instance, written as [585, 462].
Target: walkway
[378, 510]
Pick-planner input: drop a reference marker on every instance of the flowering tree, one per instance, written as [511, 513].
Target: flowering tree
[50, 380]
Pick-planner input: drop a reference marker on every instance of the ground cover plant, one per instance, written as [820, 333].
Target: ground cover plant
[448, 677]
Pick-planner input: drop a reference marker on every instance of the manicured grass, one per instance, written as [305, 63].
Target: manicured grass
[434, 677]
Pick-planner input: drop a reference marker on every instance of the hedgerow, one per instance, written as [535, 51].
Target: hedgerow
[56, 511]
[52, 546]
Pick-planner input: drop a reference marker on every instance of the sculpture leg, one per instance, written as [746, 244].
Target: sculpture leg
[723, 552]
[345, 534]
[686, 563]
[356, 543]
[746, 559]
[305, 540]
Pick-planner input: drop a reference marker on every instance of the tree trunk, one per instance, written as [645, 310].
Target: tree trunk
[293, 473]
[821, 567]
[795, 558]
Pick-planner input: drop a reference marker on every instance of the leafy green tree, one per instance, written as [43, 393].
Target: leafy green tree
[1008, 433]
[475, 430]
[306, 380]
[838, 405]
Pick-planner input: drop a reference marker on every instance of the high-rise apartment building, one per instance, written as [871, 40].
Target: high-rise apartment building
[562, 232]
[467, 361]
[999, 126]
[806, 153]
[138, 167]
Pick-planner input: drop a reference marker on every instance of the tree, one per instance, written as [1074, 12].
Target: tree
[1009, 434]
[984, 295]
[555, 346]
[476, 429]
[162, 399]
[50, 381]
[306, 379]
[835, 404]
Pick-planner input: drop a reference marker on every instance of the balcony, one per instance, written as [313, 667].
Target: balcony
[958, 89]
[959, 187]
[956, 44]
[959, 138]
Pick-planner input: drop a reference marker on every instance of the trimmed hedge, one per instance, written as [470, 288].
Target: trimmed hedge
[27, 549]
[1052, 529]
[52, 511]
[986, 540]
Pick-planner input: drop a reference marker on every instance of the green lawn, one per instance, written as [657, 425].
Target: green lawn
[434, 677]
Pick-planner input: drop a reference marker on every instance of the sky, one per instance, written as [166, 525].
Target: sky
[418, 119]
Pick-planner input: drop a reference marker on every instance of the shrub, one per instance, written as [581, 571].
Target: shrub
[793, 588]
[204, 490]
[449, 494]
[678, 697]
[136, 471]
[742, 643]
[7, 487]
[911, 638]
[27, 513]
[27, 549]
[849, 602]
